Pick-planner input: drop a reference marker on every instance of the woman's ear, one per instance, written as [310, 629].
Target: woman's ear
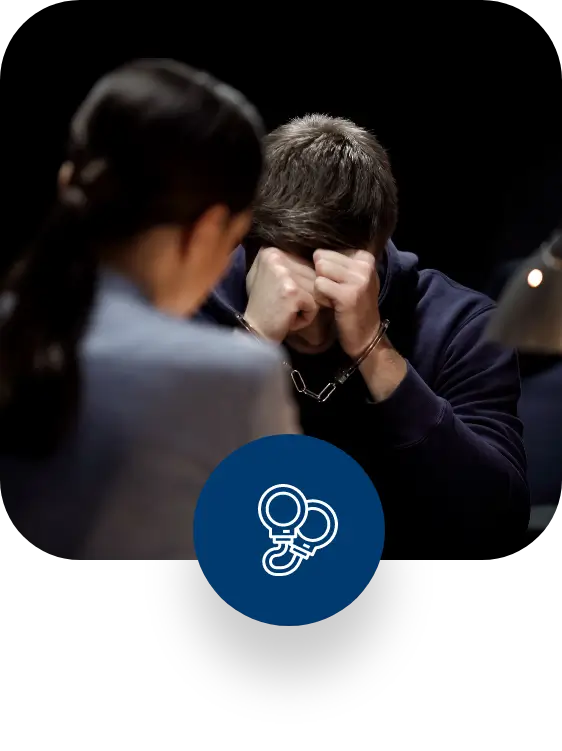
[205, 235]
[217, 230]
[65, 175]
[239, 227]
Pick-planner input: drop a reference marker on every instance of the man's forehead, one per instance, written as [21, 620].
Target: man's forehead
[304, 255]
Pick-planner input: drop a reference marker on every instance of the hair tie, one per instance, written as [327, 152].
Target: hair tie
[91, 171]
[74, 198]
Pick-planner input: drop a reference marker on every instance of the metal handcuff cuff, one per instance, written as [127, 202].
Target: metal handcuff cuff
[340, 376]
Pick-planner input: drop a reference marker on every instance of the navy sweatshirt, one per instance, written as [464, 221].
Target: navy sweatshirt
[445, 450]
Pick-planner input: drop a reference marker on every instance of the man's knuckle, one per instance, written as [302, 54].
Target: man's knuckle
[288, 287]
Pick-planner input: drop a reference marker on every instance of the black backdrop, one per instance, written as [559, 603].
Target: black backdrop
[467, 98]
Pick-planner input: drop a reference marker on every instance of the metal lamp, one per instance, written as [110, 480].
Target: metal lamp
[529, 312]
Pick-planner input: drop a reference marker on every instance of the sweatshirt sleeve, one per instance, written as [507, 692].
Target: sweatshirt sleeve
[461, 443]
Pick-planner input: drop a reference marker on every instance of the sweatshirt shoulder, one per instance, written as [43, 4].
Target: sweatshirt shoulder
[440, 297]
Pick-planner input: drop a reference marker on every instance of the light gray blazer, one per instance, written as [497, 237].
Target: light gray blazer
[164, 402]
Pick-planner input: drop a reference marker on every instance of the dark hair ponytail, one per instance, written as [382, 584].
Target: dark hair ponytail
[154, 143]
[48, 302]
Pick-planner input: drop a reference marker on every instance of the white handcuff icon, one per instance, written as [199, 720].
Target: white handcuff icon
[288, 538]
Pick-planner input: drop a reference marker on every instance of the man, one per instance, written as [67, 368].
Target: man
[431, 411]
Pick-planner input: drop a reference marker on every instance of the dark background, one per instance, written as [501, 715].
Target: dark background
[468, 100]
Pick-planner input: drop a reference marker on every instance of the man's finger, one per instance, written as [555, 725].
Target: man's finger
[294, 262]
[307, 311]
[364, 256]
[338, 257]
[332, 290]
[338, 273]
[307, 303]
[304, 280]
[331, 269]
[321, 299]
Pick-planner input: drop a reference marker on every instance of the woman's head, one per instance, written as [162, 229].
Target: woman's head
[159, 145]
[161, 170]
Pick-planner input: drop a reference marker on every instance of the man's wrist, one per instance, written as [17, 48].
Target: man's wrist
[250, 325]
[383, 370]
[254, 328]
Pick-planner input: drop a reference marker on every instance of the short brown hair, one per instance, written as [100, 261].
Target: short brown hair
[327, 184]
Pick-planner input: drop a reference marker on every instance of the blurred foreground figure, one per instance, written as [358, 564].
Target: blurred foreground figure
[429, 411]
[114, 410]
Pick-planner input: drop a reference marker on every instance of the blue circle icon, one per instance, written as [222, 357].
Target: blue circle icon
[289, 530]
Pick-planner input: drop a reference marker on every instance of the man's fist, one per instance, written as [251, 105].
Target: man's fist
[280, 294]
[351, 283]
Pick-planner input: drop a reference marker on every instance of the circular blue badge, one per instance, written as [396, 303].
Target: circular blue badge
[289, 530]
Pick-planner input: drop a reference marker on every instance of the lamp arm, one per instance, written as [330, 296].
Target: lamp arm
[553, 252]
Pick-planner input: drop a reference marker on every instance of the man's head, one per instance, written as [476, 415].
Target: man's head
[327, 184]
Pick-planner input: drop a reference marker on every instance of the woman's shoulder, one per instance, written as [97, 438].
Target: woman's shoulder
[190, 374]
[211, 346]
[132, 331]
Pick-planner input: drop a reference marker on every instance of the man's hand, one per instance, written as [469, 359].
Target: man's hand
[280, 295]
[352, 285]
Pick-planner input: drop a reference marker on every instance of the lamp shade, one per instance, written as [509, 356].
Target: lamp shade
[529, 312]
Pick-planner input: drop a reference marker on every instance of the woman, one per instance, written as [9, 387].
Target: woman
[113, 409]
